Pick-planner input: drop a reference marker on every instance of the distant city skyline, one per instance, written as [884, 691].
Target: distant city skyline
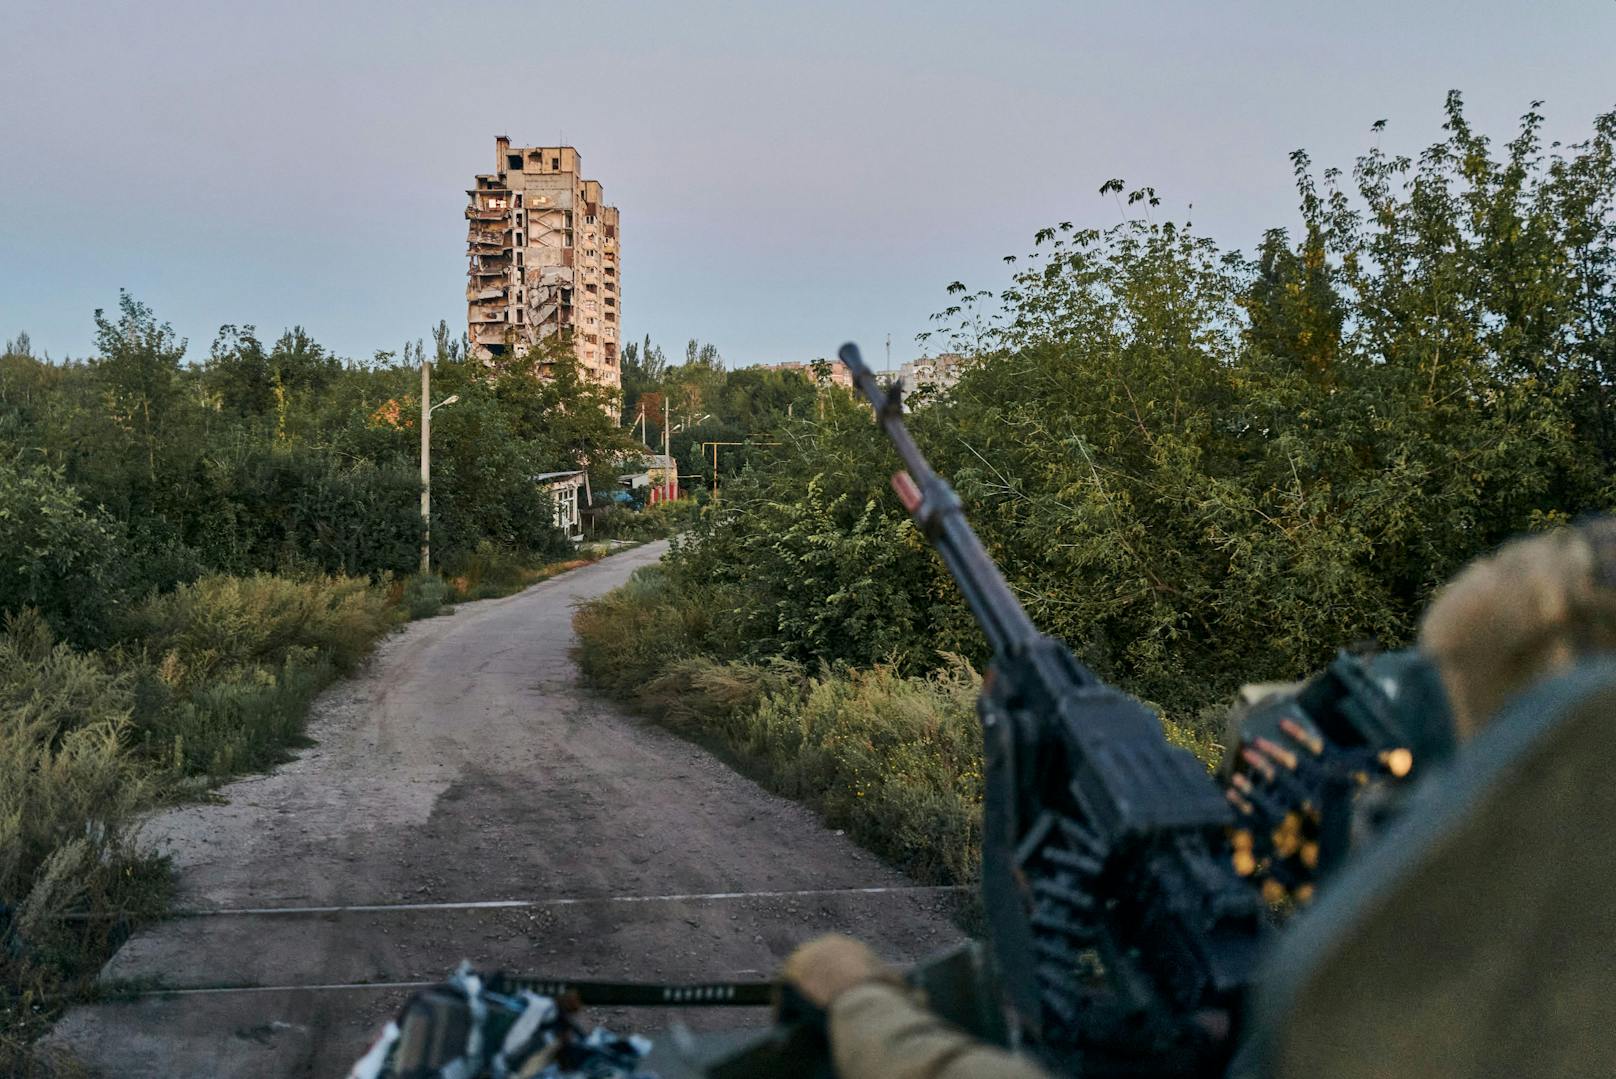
[790, 176]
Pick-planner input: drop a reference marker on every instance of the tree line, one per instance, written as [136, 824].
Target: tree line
[1201, 466]
[132, 471]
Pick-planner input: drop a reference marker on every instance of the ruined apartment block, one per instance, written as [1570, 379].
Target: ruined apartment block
[543, 253]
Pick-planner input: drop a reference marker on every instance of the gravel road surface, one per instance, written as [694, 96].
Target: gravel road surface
[465, 764]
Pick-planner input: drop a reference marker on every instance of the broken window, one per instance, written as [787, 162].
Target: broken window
[513, 162]
[518, 198]
[555, 162]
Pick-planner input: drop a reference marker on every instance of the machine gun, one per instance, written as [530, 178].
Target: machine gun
[1125, 937]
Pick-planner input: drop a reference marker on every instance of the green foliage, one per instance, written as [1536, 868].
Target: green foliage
[68, 793]
[424, 597]
[298, 509]
[58, 556]
[1201, 469]
[656, 520]
[1198, 468]
[895, 760]
[221, 622]
[235, 661]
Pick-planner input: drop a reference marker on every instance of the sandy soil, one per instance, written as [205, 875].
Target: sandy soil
[466, 764]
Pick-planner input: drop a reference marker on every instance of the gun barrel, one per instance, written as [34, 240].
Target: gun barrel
[936, 510]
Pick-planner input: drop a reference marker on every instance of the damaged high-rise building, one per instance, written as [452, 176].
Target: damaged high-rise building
[543, 250]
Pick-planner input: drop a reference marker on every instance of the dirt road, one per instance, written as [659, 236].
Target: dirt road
[464, 765]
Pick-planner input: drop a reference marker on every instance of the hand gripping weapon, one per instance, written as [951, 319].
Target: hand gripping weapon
[1125, 938]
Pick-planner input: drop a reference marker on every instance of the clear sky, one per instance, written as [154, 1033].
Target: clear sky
[790, 175]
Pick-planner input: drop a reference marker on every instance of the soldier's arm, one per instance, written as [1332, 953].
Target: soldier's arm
[878, 1030]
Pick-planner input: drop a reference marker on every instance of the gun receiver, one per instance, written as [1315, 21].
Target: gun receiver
[1124, 935]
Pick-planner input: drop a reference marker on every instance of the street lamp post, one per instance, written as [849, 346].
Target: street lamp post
[426, 461]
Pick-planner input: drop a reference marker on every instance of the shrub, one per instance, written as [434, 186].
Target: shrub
[219, 623]
[57, 556]
[63, 720]
[425, 596]
[68, 789]
[233, 662]
[657, 520]
[634, 634]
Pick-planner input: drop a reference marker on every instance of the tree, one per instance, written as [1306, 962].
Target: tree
[139, 371]
[238, 372]
[58, 556]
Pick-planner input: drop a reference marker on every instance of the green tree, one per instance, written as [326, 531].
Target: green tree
[57, 555]
[138, 370]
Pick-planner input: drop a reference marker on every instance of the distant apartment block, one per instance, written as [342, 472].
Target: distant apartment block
[839, 373]
[542, 247]
[939, 372]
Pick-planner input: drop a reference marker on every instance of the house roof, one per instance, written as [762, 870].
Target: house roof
[546, 477]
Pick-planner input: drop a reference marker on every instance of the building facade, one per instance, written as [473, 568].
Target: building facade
[839, 374]
[543, 254]
[937, 373]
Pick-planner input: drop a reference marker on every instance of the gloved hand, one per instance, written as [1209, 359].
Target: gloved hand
[825, 967]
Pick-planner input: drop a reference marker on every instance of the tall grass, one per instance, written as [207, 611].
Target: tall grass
[68, 788]
[895, 760]
[230, 664]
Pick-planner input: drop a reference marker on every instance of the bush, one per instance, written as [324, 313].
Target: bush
[68, 790]
[425, 596]
[658, 520]
[229, 622]
[231, 663]
[493, 570]
[636, 633]
[57, 556]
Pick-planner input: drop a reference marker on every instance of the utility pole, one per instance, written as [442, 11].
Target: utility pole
[667, 454]
[426, 466]
[427, 408]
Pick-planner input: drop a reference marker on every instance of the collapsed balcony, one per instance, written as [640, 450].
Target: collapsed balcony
[486, 315]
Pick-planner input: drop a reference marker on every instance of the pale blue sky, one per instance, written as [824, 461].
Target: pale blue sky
[790, 175]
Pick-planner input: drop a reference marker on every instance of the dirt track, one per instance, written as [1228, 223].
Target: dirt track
[465, 764]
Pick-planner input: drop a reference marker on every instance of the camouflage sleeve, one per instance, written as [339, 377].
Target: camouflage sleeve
[878, 1032]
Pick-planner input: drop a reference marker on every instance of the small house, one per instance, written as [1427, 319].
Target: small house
[566, 492]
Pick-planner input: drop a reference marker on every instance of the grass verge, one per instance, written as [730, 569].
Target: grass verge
[895, 760]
